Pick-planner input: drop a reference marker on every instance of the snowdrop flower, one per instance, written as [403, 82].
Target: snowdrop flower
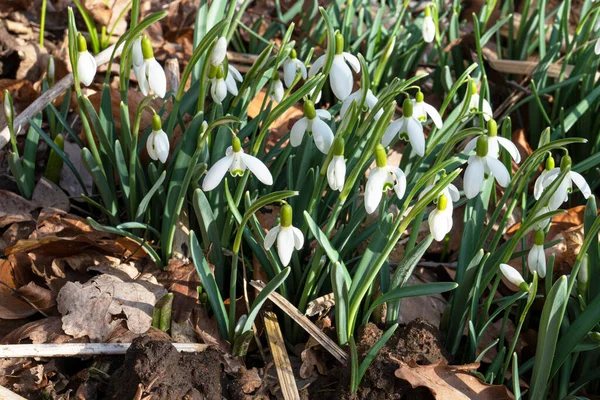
[486, 109]
[514, 277]
[451, 192]
[8, 107]
[219, 51]
[291, 65]
[277, 91]
[150, 75]
[407, 124]
[236, 162]
[566, 186]
[218, 87]
[538, 187]
[336, 171]
[370, 102]
[480, 164]
[86, 63]
[340, 75]
[494, 143]
[312, 122]
[381, 179]
[421, 110]
[288, 236]
[157, 144]
[536, 259]
[440, 219]
[137, 56]
[428, 29]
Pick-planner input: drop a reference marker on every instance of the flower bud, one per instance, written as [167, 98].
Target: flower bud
[339, 43]
[219, 52]
[8, 107]
[514, 277]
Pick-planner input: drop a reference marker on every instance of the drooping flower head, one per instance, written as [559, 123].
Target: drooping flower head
[370, 102]
[421, 110]
[440, 219]
[291, 66]
[382, 178]
[157, 144]
[495, 142]
[514, 277]
[566, 186]
[486, 109]
[276, 92]
[312, 122]
[336, 171]
[150, 74]
[221, 83]
[86, 63]
[536, 259]
[288, 237]
[407, 124]
[428, 29]
[480, 164]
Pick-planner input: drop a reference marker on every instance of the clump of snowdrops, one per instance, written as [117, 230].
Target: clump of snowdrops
[331, 185]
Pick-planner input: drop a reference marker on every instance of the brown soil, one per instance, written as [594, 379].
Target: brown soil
[417, 341]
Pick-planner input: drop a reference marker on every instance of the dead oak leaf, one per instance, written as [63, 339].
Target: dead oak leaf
[97, 307]
[451, 382]
[14, 208]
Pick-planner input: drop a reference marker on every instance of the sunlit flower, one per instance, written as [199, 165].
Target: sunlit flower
[428, 29]
[407, 124]
[451, 192]
[566, 186]
[288, 236]
[514, 277]
[312, 122]
[370, 102]
[86, 63]
[486, 109]
[236, 162]
[340, 75]
[440, 219]
[494, 143]
[421, 110]
[220, 85]
[480, 164]
[157, 144]
[276, 93]
[150, 74]
[336, 171]
[291, 66]
[536, 259]
[219, 52]
[381, 179]
[538, 187]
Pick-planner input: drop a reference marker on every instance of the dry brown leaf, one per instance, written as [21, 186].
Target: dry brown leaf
[14, 208]
[249, 379]
[97, 307]
[14, 233]
[182, 280]
[47, 330]
[11, 305]
[451, 382]
[50, 196]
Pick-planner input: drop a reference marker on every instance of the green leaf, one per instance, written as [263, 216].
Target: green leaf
[108, 197]
[29, 155]
[364, 365]
[340, 291]
[143, 206]
[210, 233]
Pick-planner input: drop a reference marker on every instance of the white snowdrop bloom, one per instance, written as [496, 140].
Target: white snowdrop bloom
[566, 186]
[8, 106]
[291, 66]
[480, 164]
[381, 179]
[313, 123]
[451, 192]
[597, 47]
[336, 171]
[277, 91]
[428, 29]
[157, 144]
[340, 75]
[218, 87]
[407, 124]
[495, 142]
[137, 56]
[536, 259]
[514, 277]
[219, 52]
[150, 74]
[86, 63]
[421, 110]
[486, 109]
[233, 76]
[288, 237]
[370, 102]
[440, 219]
[236, 162]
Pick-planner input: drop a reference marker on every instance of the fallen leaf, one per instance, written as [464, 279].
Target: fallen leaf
[47, 330]
[11, 305]
[16, 232]
[182, 280]
[249, 379]
[14, 208]
[97, 307]
[51, 196]
[320, 305]
[451, 382]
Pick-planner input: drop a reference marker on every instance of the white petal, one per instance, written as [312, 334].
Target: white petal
[560, 195]
[597, 47]
[336, 173]
[298, 238]
[471, 145]
[493, 147]
[487, 110]
[218, 90]
[215, 175]
[434, 114]
[302, 67]
[140, 74]
[353, 61]
[219, 52]
[538, 187]
[257, 167]
[277, 91]
[161, 145]
[536, 260]
[270, 237]
[428, 29]
[150, 147]
[323, 114]
[453, 192]
[440, 223]
[322, 135]
[235, 73]
[510, 147]
[230, 85]
[581, 184]
[137, 57]
[391, 132]
[511, 274]
[498, 170]
[340, 78]
[400, 184]
[86, 68]
[473, 177]
[157, 80]
[374, 189]
[317, 65]
[297, 132]
[348, 102]
[285, 245]
[289, 72]
[414, 129]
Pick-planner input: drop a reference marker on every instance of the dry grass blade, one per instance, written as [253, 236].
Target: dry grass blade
[305, 323]
[280, 358]
[6, 394]
[81, 349]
